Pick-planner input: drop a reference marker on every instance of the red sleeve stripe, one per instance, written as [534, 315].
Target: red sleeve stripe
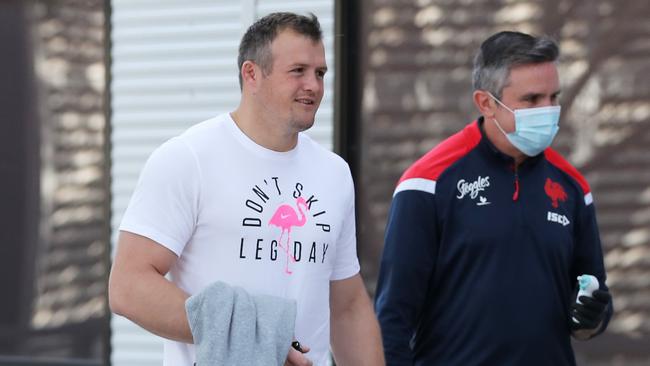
[559, 162]
[423, 174]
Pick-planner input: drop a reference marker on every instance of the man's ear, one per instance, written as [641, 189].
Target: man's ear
[250, 75]
[485, 103]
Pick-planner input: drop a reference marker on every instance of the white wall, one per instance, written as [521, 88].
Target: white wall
[174, 64]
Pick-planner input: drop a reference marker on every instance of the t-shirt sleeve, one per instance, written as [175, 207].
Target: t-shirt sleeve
[164, 206]
[346, 262]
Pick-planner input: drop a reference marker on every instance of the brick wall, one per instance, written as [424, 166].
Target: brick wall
[69, 312]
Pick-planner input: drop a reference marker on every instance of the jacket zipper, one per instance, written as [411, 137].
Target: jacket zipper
[515, 196]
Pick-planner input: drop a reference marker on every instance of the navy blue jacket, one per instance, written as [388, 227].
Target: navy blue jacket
[480, 260]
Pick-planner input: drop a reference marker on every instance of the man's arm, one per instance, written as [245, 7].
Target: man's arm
[407, 264]
[596, 312]
[585, 334]
[138, 290]
[355, 335]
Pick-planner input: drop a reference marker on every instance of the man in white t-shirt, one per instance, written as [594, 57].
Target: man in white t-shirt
[247, 199]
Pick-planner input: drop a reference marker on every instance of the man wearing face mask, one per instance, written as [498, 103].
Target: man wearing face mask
[488, 232]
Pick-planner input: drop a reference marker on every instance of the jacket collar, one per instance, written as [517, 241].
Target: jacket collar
[489, 150]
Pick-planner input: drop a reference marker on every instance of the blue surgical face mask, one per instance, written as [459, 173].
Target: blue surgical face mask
[535, 128]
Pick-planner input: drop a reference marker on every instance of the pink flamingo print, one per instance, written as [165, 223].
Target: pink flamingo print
[285, 217]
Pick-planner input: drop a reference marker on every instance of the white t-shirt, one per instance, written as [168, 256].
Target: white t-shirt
[228, 208]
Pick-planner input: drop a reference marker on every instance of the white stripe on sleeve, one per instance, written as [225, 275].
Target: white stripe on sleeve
[416, 184]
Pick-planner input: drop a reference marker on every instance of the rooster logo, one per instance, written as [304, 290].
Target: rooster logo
[555, 192]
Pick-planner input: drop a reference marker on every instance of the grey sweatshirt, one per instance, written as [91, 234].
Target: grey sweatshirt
[231, 327]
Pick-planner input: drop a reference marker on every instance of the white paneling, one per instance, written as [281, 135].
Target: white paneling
[174, 65]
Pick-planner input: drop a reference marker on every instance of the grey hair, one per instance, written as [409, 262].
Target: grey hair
[504, 50]
[255, 45]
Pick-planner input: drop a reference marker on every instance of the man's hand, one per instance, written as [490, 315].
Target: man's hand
[295, 358]
[591, 312]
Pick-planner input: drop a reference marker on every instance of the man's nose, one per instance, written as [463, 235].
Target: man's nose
[313, 83]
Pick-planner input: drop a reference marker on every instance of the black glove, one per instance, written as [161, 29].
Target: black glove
[592, 310]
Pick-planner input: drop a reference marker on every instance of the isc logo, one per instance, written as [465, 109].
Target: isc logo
[556, 217]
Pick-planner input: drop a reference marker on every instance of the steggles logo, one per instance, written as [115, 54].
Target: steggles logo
[472, 189]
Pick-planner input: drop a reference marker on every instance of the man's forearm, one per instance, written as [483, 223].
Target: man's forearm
[356, 338]
[152, 302]
[585, 334]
